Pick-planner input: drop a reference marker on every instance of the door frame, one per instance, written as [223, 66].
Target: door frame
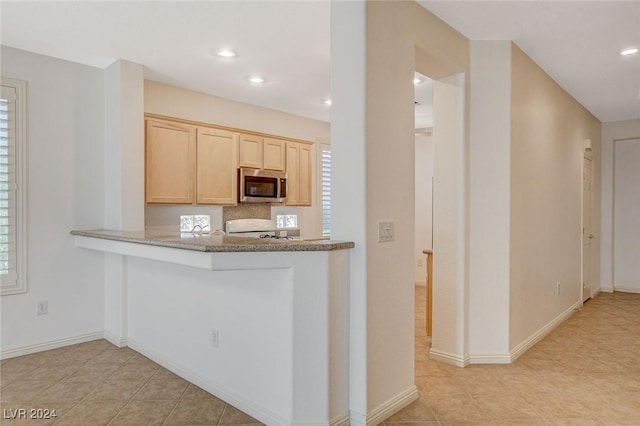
[585, 156]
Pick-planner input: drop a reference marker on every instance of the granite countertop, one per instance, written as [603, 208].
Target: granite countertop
[213, 243]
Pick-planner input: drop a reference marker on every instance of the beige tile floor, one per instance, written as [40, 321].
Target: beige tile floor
[586, 372]
[96, 383]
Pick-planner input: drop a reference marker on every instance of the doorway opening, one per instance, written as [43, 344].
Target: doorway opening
[626, 210]
[423, 219]
[448, 301]
[423, 227]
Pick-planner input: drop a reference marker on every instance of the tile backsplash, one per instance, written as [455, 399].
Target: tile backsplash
[168, 217]
[246, 211]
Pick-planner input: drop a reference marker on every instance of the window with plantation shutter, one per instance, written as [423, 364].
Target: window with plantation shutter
[326, 190]
[12, 223]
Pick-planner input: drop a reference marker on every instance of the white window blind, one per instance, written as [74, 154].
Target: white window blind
[12, 140]
[326, 192]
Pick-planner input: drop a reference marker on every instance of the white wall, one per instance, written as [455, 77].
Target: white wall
[65, 184]
[124, 153]
[251, 310]
[611, 132]
[423, 204]
[187, 104]
[548, 128]
[373, 143]
[490, 170]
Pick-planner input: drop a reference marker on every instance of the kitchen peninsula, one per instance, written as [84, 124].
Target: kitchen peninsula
[261, 324]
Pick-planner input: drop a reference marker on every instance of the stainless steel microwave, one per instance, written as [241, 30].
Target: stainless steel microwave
[261, 186]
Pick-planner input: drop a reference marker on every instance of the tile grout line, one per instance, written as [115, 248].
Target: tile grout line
[224, 409]
[164, 422]
[135, 393]
[74, 403]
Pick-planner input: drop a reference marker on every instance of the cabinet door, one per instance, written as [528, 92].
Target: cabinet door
[293, 167]
[299, 173]
[217, 165]
[250, 151]
[305, 164]
[169, 162]
[273, 154]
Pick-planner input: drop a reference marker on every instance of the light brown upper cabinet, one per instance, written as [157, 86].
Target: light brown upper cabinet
[250, 151]
[217, 163]
[299, 169]
[188, 162]
[273, 154]
[170, 162]
[261, 153]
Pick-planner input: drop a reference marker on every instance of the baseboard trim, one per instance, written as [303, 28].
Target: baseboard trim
[606, 289]
[420, 283]
[392, 406]
[113, 339]
[357, 419]
[52, 344]
[385, 410]
[449, 358]
[241, 403]
[340, 421]
[540, 334]
[627, 289]
[490, 359]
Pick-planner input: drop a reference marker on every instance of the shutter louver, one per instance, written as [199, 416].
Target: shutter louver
[9, 160]
[326, 192]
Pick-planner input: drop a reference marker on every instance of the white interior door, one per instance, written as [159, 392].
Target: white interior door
[587, 232]
[626, 216]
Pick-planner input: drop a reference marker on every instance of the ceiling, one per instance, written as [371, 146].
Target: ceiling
[576, 42]
[286, 42]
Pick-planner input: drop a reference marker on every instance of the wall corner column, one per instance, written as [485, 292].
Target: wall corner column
[490, 201]
[124, 181]
[348, 207]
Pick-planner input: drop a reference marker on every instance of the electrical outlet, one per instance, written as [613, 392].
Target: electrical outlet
[43, 307]
[215, 338]
[420, 262]
[558, 286]
[385, 232]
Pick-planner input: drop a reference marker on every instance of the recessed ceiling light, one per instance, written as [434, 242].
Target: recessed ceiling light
[226, 53]
[255, 79]
[417, 80]
[327, 102]
[629, 51]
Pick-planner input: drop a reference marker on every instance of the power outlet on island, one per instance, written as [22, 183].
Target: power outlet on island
[385, 232]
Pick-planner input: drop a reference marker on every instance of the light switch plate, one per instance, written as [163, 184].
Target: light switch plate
[385, 232]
